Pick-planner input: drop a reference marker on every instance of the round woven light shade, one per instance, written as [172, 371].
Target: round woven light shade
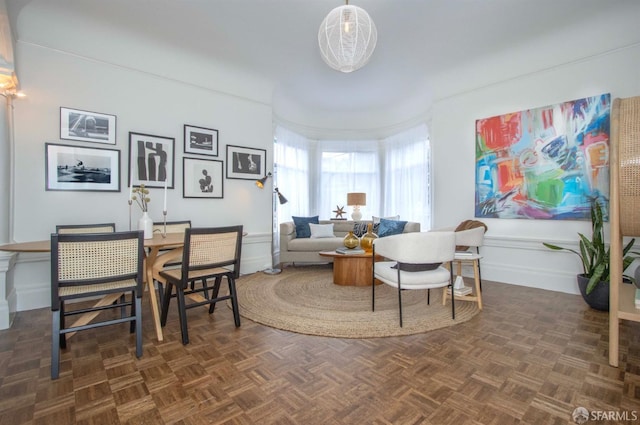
[347, 38]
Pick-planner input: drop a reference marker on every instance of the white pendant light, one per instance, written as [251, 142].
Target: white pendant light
[347, 38]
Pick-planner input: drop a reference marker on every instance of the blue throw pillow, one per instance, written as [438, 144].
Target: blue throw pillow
[302, 226]
[390, 227]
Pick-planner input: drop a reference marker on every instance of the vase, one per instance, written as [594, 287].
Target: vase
[351, 241]
[145, 223]
[366, 241]
[598, 299]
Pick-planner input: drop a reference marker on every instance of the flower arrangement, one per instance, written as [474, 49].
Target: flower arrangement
[141, 196]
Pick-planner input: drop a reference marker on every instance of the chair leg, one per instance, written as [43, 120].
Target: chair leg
[478, 283]
[165, 303]
[373, 291]
[234, 300]
[205, 289]
[138, 313]
[160, 290]
[479, 275]
[182, 310]
[214, 293]
[61, 325]
[453, 307]
[55, 344]
[400, 303]
[132, 325]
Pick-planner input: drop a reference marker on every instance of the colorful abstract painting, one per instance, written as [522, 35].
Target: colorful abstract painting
[544, 163]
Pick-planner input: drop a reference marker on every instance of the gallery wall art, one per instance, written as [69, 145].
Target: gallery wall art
[544, 163]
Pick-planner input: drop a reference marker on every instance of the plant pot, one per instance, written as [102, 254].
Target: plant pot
[598, 299]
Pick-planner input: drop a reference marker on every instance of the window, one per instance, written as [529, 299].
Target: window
[317, 175]
[348, 166]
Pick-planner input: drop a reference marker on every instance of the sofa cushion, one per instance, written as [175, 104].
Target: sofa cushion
[302, 226]
[390, 227]
[321, 230]
[314, 245]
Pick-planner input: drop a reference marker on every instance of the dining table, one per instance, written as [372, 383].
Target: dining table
[159, 250]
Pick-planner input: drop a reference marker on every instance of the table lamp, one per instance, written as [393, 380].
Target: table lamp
[356, 199]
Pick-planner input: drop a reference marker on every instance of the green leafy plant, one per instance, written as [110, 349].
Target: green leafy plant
[594, 254]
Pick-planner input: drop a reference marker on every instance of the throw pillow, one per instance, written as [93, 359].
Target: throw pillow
[411, 267]
[302, 226]
[377, 219]
[321, 230]
[390, 227]
[360, 228]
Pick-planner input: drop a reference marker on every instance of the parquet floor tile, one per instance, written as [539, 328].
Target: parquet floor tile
[530, 357]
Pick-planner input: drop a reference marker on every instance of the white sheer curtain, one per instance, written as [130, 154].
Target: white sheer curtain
[291, 158]
[407, 180]
[348, 166]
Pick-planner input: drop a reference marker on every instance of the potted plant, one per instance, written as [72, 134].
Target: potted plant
[594, 254]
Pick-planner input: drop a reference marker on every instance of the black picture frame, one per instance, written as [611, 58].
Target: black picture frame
[87, 126]
[79, 168]
[246, 163]
[202, 178]
[151, 160]
[200, 140]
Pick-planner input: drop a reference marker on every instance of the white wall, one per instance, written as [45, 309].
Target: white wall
[513, 249]
[145, 100]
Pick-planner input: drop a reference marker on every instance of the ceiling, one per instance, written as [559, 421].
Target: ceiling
[418, 40]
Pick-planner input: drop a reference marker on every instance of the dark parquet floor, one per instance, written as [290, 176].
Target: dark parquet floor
[530, 357]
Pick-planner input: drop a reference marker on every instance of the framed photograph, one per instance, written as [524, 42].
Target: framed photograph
[87, 126]
[203, 178]
[200, 140]
[80, 168]
[151, 160]
[245, 163]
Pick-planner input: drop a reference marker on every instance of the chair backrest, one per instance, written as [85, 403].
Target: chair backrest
[95, 258]
[473, 237]
[173, 226]
[418, 247]
[86, 228]
[466, 225]
[209, 247]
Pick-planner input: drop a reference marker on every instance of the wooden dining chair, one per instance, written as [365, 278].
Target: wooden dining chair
[94, 265]
[209, 254]
[86, 228]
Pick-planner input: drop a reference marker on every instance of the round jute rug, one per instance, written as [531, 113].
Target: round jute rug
[305, 300]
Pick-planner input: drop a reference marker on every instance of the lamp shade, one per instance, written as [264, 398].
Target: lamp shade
[347, 38]
[356, 198]
[260, 183]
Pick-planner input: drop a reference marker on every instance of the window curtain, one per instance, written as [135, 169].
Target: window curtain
[291, 158]
[407, 180]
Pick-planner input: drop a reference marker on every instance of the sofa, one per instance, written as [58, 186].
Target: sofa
[306, 250]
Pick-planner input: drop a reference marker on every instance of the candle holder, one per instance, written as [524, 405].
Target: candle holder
[164, 227]
[130, 202]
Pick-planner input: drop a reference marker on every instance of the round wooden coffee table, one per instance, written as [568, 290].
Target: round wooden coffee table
[351, 269]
